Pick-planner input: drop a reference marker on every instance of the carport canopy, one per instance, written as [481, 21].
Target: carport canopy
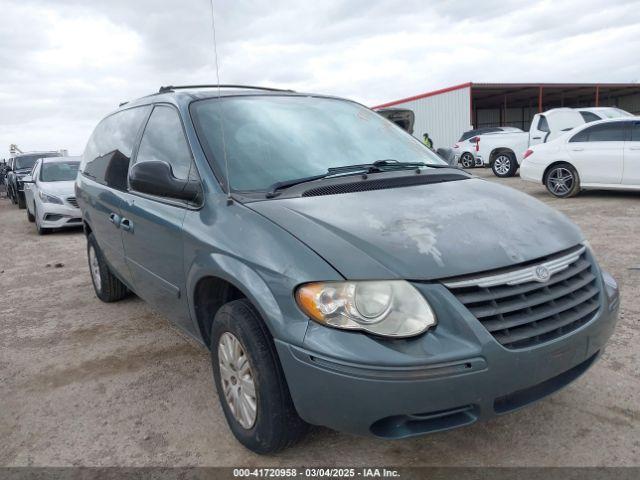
[514, 104]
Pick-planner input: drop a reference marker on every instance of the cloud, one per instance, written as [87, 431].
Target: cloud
[66, 64]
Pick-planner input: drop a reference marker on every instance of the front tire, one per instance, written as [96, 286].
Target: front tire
[562, 181]
[107, 286]
[21, 201]
[39, 229]
[30, 216]
[504, 165]
[467, 160]
[251, 386]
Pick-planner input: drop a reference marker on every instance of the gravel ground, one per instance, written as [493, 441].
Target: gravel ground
[88, 383]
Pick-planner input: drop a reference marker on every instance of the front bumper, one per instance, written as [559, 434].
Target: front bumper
[454, 375]
[59, 216]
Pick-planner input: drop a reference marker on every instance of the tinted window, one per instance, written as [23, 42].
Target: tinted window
[59, 171]
[543, 124]
[268, 139]
[478, 131]
[589, 117]
[28, 161]
[607, 132]
[164, 141]
[106, 157]
[635, 133]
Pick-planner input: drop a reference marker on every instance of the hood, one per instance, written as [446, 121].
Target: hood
[424, 232]
[59, 189]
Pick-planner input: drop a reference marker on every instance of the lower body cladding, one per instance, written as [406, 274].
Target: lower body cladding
[454, 375]
[59, 216]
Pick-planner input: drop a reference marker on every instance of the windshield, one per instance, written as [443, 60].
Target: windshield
[28, 161]
[59, 171]
[270, 139]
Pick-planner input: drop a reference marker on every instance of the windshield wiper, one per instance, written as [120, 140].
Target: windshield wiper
[385, 166]
[271, 192]
[375, 167]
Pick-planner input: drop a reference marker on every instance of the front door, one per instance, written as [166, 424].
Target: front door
[597, 153]
[152, 226]
[631, 175]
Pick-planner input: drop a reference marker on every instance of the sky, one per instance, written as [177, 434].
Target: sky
[65, 64]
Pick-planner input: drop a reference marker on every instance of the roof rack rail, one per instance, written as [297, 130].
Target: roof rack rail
[169, 88]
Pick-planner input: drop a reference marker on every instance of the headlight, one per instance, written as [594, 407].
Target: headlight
[389, 308]
[46, 198]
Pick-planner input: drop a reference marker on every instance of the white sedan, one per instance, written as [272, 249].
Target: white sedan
[49, 194]
[598, 155]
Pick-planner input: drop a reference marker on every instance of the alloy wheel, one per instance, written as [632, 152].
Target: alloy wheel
[467, 160]
[237, 380]
[560, 181]
[502, 164]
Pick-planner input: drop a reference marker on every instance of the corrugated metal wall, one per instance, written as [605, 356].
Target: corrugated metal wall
[630, 103]
[444, 116]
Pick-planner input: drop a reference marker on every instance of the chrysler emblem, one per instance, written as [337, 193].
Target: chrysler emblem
[542, 273]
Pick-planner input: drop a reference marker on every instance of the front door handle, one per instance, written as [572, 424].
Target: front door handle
[115, 219]
[635, 148]
[126, 225]
[536, 138]
[577, 149]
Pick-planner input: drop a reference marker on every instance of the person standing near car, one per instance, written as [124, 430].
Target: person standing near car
[427, 141]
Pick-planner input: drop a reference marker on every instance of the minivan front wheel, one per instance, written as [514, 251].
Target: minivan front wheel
[107, 286]
[251, 386]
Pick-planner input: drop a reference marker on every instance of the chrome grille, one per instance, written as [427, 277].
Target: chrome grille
[72, 201]
[533, 303]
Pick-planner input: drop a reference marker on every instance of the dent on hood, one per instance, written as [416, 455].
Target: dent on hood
[421, 225]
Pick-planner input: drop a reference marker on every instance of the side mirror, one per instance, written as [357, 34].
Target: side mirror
[156, 178]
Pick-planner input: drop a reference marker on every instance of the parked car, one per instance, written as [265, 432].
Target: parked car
[503, 152]
[49, 194]
[603, 155]
[465, 149]
[19, 166]
[593, 114]
[320, 256]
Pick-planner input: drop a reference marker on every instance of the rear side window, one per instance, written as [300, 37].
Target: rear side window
[607, 132]
[635, 132]
[543, 124]
[163, 140]
[107, 154]
[589, 117]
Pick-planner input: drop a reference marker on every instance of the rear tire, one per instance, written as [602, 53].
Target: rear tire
[562, 180]
[504, 165]
[270, 420]
[467, 160]
[107, 286]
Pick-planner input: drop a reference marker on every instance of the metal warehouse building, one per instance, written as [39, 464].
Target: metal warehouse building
[448, 112]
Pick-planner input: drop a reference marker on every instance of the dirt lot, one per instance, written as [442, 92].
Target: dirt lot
[86, 383]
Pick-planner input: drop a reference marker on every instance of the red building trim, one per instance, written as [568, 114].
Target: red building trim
[425, 95]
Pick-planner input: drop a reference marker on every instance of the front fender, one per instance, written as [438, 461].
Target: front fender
[249, 283]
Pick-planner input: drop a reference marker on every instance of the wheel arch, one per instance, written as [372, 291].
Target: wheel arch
[556, 163]
[498, 150]
[216, 279]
